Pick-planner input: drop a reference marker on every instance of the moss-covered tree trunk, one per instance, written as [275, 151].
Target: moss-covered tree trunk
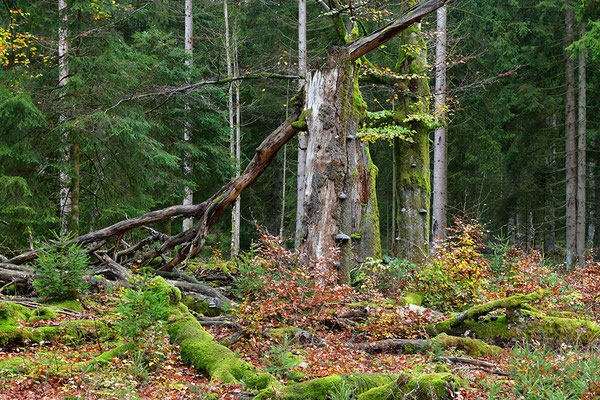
[333, 109]
[365, 211]
[413, 184]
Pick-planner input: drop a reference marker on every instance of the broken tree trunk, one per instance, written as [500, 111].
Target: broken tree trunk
[333, 109]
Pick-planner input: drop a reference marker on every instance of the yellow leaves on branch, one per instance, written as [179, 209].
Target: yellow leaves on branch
[16, 47]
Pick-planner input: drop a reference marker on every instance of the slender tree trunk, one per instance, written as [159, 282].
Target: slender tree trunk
[189, 48]
[570, 145]
[549, 212]
[235, 239]
[234, 133]
[592, 211]
[394, 197]
[518, 229]
[440, 142]
[284, 168]
[63, 77]
[581, 154]
[283, 187]
[302, 138]
[75, 188]
[512, 235]
[412, 159]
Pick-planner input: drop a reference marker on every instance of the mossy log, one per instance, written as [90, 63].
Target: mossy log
[518, 320]
[472, 347]
[200, 349]
[435, 386]
[320, 388]
[13, 333]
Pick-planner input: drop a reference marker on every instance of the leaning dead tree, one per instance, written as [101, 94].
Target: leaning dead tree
[108, 242]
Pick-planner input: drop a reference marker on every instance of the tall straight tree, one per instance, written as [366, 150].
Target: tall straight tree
[235, 239]
[570, 142]
[581, 151]
[413, 184]
[440, 141]
[234, 131]
[189, 48]
[302, 138]
[63, 76]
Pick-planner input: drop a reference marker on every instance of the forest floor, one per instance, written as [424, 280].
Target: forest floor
[332, 327]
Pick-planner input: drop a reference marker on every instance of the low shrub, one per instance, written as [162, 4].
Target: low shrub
[278, 290]
[455, 277]
[59, 270]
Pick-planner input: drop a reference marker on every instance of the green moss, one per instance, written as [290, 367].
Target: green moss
[16, 365]
[106, 358]
[296, 376]
[370, 244]
[11, 333]
[159, 285]
[473, 347]
[472, 314]
[421, 369]
[423, 387]
[200, 349]
[560, 329]
[282, 332]
[42, 314]
[414, 298]
[201, 307]
[298, 100]
[319, 389]
[74, 305]
[301, 123]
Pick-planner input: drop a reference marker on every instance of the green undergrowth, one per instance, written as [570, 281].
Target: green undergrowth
[540, 372]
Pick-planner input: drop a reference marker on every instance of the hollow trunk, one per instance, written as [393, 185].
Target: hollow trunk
[332, 111]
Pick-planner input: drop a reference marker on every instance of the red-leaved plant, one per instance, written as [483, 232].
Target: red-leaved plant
[285, 291]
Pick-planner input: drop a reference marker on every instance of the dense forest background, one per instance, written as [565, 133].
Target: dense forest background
[115, 125]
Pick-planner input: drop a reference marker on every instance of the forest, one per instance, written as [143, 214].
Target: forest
[328, 200]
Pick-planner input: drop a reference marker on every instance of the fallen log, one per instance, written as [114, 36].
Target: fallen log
[516, 318]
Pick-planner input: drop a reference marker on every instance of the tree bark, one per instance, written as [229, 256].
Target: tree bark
[302, 138]
[440, 151]
[189, 48]
[237, 207]
[365, 211]
[63, 77]
[412, 159]
[570, 144]
[332, 120]
[581, 153]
